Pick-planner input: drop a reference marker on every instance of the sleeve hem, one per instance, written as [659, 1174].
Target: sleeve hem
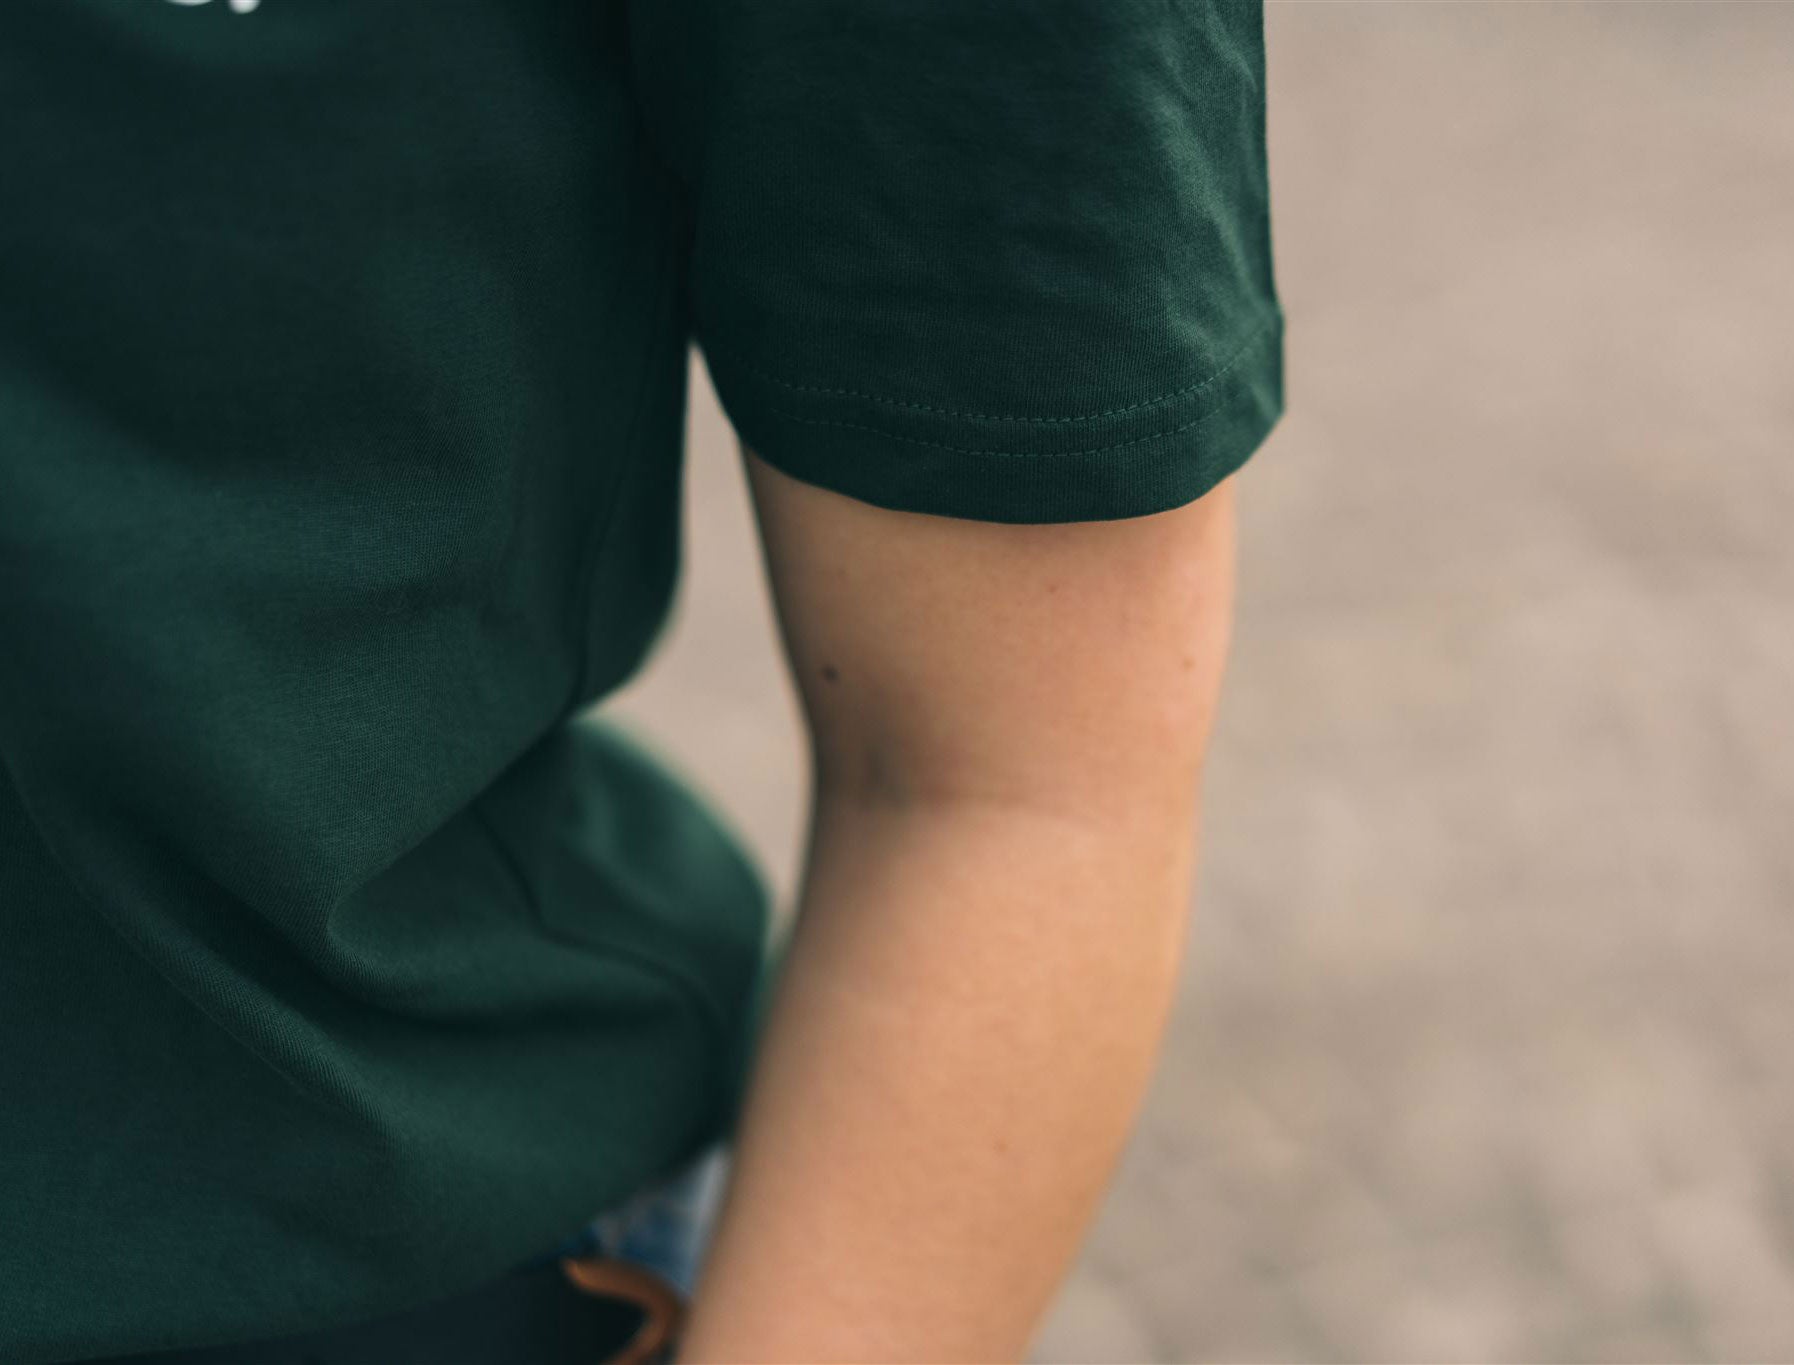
[1131, 461]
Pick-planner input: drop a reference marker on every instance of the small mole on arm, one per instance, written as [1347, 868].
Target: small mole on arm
[830, 673]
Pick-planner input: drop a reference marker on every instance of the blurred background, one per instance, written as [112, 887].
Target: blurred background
[1486, 1046]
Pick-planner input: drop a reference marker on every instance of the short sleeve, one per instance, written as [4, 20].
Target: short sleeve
[997, 259]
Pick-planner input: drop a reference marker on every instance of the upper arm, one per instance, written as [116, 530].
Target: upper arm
[987, 289]
[1069, 666]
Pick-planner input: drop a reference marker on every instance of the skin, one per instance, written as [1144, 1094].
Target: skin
[1007, 730]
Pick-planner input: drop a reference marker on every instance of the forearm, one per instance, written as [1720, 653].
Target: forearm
[969, 1013]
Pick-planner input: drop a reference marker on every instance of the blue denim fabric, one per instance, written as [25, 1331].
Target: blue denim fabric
[665, 1227]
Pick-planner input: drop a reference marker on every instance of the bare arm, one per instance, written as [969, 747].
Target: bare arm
[1008, 725]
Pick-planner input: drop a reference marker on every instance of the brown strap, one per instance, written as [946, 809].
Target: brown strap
[663, 1306]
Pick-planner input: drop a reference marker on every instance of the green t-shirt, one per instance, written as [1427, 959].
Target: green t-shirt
[342, 368]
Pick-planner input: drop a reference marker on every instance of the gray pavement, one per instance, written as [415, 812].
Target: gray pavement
[1486, 1050]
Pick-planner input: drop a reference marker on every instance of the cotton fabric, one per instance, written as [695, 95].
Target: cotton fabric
[349, 958]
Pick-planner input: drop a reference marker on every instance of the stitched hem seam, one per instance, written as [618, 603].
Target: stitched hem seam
[1269, 326]
[1203, 420]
